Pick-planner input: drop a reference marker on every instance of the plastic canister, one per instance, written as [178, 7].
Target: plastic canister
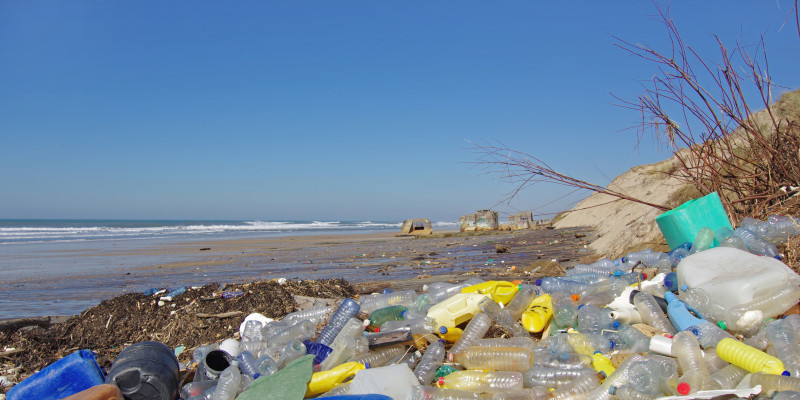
[683, 223]
[146, 370]
[323, 381]
[538, 314]
[65, 377]
[499, 291]
[734, 278]
[456, 309]
[395, 381]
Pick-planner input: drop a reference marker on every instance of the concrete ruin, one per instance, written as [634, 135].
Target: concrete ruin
[481, 220]
[416, 227]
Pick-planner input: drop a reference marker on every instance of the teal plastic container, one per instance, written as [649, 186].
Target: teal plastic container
[682, 224]
[72, 374]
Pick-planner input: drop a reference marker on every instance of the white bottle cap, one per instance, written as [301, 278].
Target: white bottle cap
[231, 346]
[661, 345]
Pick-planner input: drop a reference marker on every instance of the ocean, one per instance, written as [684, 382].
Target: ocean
[59, 267]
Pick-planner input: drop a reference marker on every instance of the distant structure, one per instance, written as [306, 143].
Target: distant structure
[481, 220]
[416, 227]
[544, 222]
[521, 220]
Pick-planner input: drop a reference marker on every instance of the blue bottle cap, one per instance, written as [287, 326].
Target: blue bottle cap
[684, 287]
[366, 365]
[538, 282]
[616, 324]
[442, 330]
[786, 373]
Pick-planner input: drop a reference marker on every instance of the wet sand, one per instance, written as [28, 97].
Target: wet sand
[369, 261]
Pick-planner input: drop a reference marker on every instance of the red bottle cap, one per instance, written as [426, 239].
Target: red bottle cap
[684, 388]
[441, 381]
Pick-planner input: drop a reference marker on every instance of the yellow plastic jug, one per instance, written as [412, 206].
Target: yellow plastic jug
[456, 309]
[449, 335]
[602, 364]
[748, 357]
[324, 381]
[499, 291]
[538, 314]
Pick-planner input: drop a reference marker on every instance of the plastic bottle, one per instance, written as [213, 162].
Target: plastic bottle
[266, 365]
[677, 254]
[649, 258]
[301, 331]
[748, 358]
[680, 314]
[736, 320]
[324, 381]
[348, 309]
[290, 352]
[703, 241]
[553, 377]
[709, 334]
[247, 364]
[502, 318]
[316, 315]
[518, 359]
[630, 339]
[418, 326]
[562, 360]
[577, 388]
[192, 389]
[786, 395]
[770, 383]
[602, 364]
[585, 277]
[476, 329]
[380, 357]
[456, 309]
[626, 315]
[565, 312]
[560, 285]
[784, 343]
[538, 314]
[726, 378]
[436, 393]
[755, 244]
[602, 266]
[499, 291]
[587, 343]
[252, 331]
[787, 226]
[427, 366]
[377, 301]
[449, 335]
[628, 392]
[521, 301]
[593, 320]
[319, 350]
[651, 376]
[526, 342]
[341, 351]
[352, 329]
[228, 385]
[381, 315]
[439, 291]
[651, 312]
[484, 382]
[687, 350]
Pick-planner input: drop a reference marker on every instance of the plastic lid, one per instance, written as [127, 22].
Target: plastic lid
[616, 324]
[612, 390]
[441, 381]
[519, 287]
[612, 344]
[684, 388]
[451, 357]
[722, 325]
[575, 297]
[366, 365]
[684, 287]
[538, 282]
[580, 306]
[786, 373]
[378, 329]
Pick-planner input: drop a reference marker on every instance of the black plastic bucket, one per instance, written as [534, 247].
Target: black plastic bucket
[146, 371]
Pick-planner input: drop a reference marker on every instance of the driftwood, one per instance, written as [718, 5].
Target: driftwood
[18, 323]
[221, 315]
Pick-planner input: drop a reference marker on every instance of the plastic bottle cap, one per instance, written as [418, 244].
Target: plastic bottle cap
[786, 373]
[441, 381]
[616, 324]
[378, 329]
[612, 344]
[538, 282]
[722, 325]
[451, 357]
[644, 275]
[612, 390]
[366, 365]
[575, 297]
[684, 287]
[367, 322]
[684, 388]
[442, 330]
[580, 306]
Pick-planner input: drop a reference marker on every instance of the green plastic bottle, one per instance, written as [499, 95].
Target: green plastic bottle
[391, 313]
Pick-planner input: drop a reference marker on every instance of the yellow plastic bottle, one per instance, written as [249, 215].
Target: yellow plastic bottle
[324, 381]
[538, 314]
[602, 364]
[748, 357]
[449, 335]
[456, 309]
[499, 291]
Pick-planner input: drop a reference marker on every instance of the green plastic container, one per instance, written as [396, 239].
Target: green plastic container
[682, 224]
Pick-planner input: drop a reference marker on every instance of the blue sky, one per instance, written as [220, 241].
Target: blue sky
[345, 110]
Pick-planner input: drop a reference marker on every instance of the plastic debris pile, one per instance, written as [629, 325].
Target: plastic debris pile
[696, 322]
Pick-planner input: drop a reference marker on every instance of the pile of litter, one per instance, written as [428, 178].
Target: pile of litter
[697, 322]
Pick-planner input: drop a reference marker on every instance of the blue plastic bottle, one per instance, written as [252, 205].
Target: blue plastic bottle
[679, 313]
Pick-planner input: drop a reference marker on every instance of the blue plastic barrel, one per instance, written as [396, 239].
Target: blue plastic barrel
[72, 374]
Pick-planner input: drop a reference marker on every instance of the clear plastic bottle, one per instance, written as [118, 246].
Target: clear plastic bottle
[228, 385]
[301, 331]
[518, 359]
[527, 342]
[380, 357]
[483, 382]
[192, 389]
[560, 285]
[628, 392]
[577, 388]
[583, 343]
[292, 351]
[737, 320]
[585, 277]
[266, 365]
[435, 393]
[770, 382]
[252, 331]
[377, 301]
[534, 393]
[440, 291]
[687, 350]
[247, 364]
[255, 348]
[629, 339]
[565, 312]
[553, 377]
[352, 329]
[708, 334]
[785, 225]
[476, 329]
[342, 389]
[342, 351]
[648, 257]
[425, 370]
[502, 318]
[651, 312]
[726, 378]
[602, 266]
[521, 301]
[713, 362]
[418, 326]
[748, 358]
[756, 244]
[783, 341]
[546, 358]
[649, 377]
[786, 395]
[316, 315]
[677, 254]
[348, 309]
[593, 320]
[703, 240]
